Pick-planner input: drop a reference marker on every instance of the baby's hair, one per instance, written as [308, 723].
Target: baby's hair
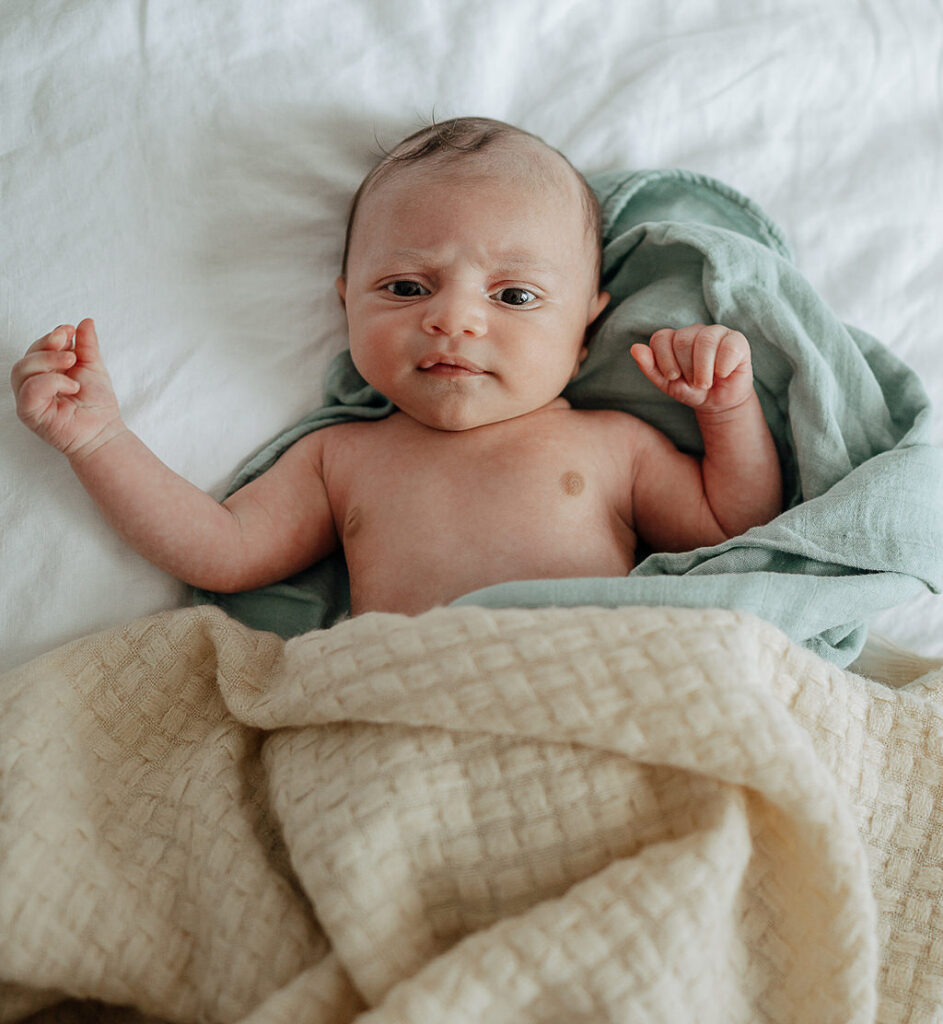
[458, 136]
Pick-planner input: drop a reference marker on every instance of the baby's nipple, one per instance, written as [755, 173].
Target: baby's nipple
[572, 483]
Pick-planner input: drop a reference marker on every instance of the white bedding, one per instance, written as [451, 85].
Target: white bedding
[181, 172]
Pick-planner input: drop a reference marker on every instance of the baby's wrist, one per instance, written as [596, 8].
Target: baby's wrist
[719, 415]
[108, 433]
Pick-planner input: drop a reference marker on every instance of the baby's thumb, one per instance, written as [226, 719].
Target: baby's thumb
[645, 360]
[86, 342]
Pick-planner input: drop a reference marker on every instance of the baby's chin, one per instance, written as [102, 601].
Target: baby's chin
[456, 420]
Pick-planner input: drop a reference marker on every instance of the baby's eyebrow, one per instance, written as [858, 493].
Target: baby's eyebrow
[509, 259]
[523, 260]
[411, 254]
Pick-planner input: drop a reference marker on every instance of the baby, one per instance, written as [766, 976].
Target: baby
[470, 278]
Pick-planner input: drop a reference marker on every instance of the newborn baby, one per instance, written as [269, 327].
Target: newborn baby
[470, 278]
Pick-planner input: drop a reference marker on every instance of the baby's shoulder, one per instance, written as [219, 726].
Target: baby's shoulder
[354, 442]
[324, 443]
[610, 421]
[348, 432]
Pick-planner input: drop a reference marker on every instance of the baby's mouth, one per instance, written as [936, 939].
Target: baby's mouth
[441, 365]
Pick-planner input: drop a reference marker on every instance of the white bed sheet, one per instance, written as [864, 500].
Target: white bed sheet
[182, 171]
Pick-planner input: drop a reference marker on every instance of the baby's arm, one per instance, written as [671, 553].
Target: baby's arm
[708, 368]
[267, 530]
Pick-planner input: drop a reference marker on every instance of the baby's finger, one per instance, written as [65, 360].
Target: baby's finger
[662, 347]
[40, 391]
[58, 339]
[44, 361]
[734, 350]
[685, 340]
[703, 359]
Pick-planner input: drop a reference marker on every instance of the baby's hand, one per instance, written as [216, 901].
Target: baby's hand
[64, 394]
[705, 367]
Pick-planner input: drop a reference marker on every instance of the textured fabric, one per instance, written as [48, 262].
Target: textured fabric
[863, 531]
[470, 815]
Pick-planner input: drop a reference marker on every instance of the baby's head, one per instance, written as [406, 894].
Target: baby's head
[462, 137]
[471, 273]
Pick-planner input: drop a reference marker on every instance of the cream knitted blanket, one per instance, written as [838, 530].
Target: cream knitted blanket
[472, 815]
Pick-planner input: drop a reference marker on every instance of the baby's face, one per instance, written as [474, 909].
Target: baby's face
[469, 288]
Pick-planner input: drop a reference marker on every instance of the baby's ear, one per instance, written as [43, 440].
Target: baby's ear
[584, 352]
[599, 304]
[341, 285]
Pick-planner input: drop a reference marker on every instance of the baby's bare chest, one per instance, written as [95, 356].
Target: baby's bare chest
[456, 512]
[471, 480]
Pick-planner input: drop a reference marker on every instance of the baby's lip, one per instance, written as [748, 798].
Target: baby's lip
[444, 359]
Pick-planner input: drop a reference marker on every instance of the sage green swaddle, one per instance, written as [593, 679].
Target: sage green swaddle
[863, 530]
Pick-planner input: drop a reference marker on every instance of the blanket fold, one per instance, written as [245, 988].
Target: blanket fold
[473, 814]
[862, 531]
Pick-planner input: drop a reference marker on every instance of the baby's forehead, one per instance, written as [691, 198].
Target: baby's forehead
[523, 162]
[522, 171]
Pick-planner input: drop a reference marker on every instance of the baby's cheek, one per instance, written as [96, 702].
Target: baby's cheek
[369, 361]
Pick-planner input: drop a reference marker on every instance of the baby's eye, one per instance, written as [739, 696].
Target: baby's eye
[406, 289]
[515, 296]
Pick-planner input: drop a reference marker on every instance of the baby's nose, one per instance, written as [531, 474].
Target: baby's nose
[455, 315]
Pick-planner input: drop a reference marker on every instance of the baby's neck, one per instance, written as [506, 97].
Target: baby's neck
[531, 417]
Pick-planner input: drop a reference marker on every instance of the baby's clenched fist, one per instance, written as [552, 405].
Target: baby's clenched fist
[706, 367]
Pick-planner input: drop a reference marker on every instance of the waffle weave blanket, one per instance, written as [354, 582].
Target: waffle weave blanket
[476, 814]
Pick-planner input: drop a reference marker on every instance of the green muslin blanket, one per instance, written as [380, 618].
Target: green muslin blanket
[863, 526]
